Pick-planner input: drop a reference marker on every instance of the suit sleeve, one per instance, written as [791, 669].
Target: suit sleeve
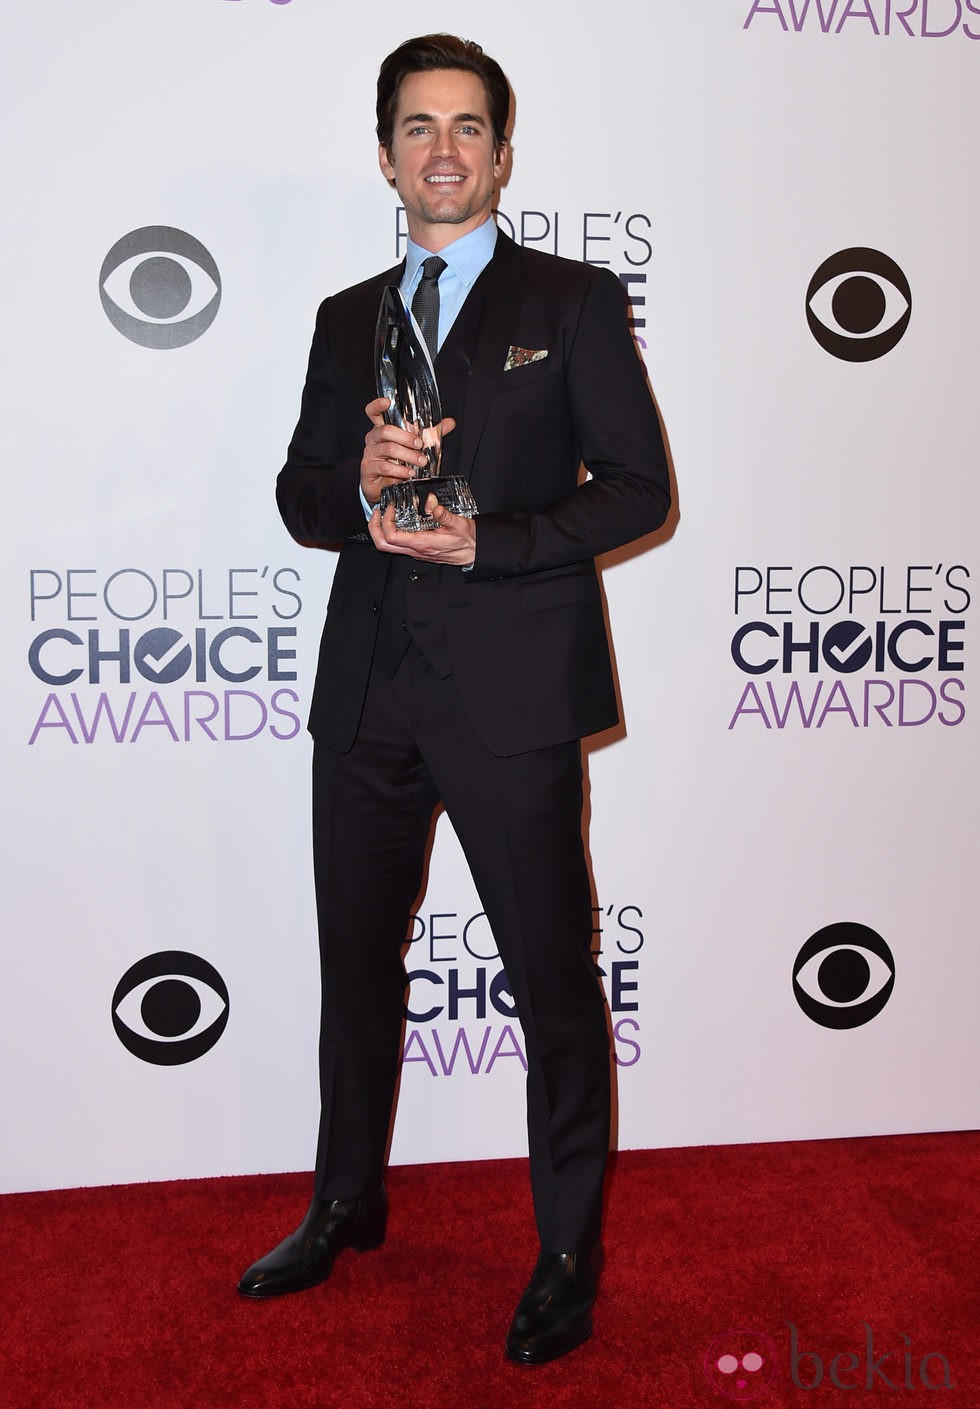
[318, 487]
[617, 432]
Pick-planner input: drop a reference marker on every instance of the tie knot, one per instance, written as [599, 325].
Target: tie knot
[433, 266]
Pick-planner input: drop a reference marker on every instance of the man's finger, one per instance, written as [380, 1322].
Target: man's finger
[375, 410]
[437, 511]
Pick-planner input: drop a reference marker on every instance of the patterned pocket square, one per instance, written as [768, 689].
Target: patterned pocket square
[522, 357]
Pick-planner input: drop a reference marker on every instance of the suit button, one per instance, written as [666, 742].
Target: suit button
[414, 575]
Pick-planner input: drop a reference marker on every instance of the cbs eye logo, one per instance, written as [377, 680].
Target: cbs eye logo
[843, 975]
[858, 305]
[160, 287]
[170, 1008]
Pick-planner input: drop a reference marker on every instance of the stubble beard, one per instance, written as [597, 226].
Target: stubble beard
[434, 212]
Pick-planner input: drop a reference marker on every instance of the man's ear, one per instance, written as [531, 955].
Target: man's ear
[386, 164]
[501, 152]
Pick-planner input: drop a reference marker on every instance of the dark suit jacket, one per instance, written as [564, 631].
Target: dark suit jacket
[525, 628]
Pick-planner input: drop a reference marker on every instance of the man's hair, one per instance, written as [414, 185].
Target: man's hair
[441, 51]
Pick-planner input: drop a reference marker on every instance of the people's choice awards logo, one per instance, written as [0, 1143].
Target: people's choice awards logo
[858, 305]
[741, 1364]
[170, 1008]
[933, 19]
[160, 287]
[854, 646]
[134, 654]
[461, 1015]
[843, 975]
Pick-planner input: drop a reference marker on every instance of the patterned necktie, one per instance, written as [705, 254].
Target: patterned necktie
[425, 304]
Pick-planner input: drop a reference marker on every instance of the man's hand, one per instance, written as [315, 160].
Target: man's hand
[453, 542]
[391, 454]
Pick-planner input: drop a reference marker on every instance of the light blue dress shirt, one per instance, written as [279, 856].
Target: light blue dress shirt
[466, 259]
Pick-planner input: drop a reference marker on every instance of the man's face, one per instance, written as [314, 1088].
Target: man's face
[442, 158]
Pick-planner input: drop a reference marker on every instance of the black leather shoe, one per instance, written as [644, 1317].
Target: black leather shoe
[555, 1313]
[306, 1257]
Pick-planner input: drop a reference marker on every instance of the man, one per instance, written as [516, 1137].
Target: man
[464, 664]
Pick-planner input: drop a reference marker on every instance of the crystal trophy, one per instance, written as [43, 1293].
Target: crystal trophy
[405, 375]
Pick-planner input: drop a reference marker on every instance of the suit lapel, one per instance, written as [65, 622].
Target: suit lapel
[501, 291]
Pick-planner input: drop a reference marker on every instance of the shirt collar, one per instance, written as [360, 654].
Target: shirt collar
[467, 257]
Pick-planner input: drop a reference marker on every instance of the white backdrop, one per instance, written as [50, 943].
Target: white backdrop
[162, 626]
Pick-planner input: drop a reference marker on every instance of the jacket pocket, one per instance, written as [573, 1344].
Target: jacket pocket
[570, 589]
[524, 376]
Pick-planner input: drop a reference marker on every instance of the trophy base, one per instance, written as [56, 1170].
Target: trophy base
[409, 499]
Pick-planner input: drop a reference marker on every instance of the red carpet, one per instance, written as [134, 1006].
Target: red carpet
[123, 1298]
